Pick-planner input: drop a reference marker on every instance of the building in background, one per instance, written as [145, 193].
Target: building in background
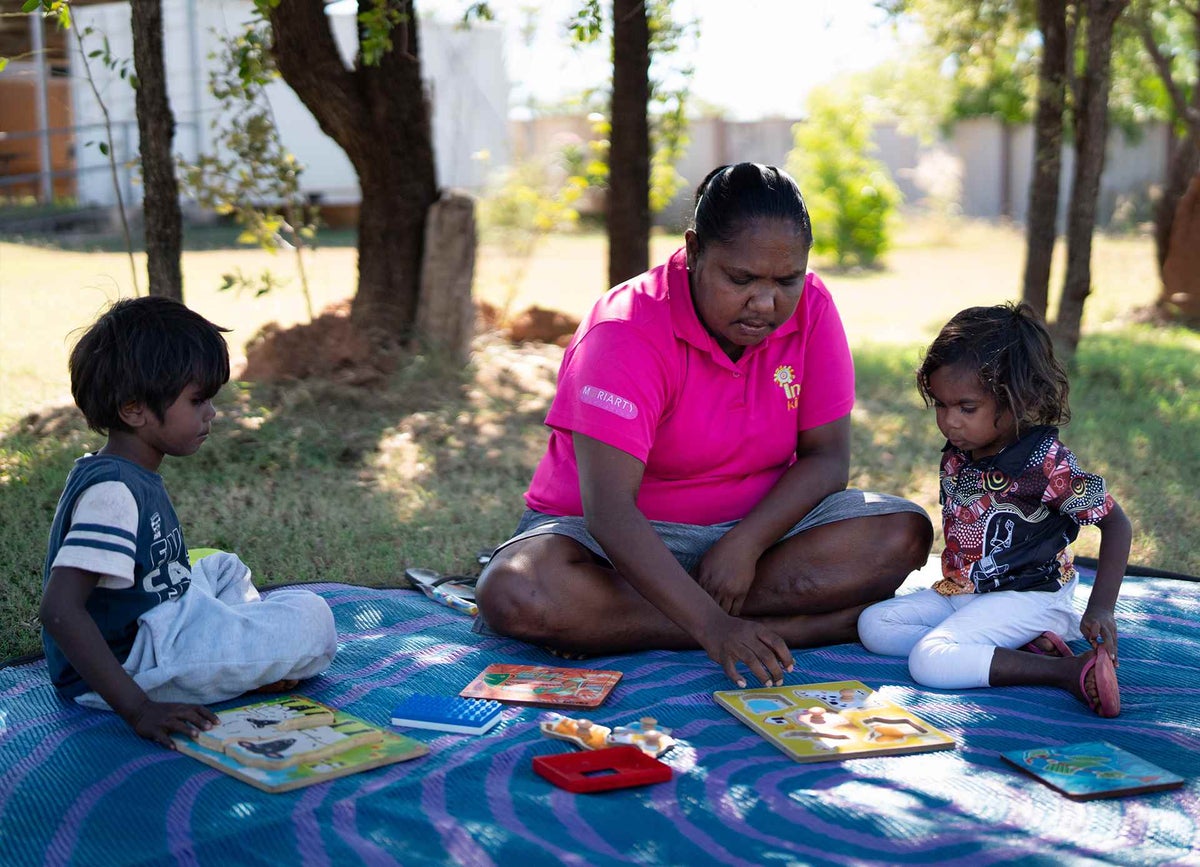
[51, 124]
[464, 71]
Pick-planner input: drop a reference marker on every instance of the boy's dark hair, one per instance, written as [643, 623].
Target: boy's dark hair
[732, 196]
[1010, 349]
[148, 350]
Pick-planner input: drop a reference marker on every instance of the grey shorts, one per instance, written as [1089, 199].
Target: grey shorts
[690, 542]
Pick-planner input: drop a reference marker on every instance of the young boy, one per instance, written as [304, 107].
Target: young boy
[128, 622]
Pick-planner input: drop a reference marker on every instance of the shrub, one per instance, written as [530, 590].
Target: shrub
[850, 195]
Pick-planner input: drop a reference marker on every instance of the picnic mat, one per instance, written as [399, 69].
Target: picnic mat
[76, 786]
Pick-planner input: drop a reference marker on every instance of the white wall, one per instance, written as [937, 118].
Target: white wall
[464, 71]
[975, 147]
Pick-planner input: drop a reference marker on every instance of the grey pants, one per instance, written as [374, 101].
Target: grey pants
[221, 639]
[690, 542]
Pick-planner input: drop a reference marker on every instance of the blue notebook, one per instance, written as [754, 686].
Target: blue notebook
[1096, 769]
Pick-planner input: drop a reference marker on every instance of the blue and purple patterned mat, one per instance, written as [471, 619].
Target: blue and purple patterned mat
[77, 787]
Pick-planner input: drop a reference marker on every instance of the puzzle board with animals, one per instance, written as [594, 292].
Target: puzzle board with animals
[822, 722]
[292, 741]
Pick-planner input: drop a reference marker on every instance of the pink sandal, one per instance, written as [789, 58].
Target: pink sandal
[1108, 691]
[1054, 639]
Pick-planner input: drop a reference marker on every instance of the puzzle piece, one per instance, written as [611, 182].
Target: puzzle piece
[262, 721]
[582, 732]
[302, 746]
[645, 734]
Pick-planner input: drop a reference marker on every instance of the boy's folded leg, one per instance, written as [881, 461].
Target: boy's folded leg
[199, 649]
[226, 577]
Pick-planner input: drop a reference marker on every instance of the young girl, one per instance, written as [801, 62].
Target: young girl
[1013, 498]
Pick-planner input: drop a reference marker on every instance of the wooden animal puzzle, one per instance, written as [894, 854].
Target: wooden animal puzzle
[292, 741]
[824, 722]
[1096, 769]
[543, 685]
[581, 732]
[645, 734]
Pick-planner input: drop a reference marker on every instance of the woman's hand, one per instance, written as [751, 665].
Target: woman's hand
[730, 640]
[156, 720]
[1099, 627]
[726, 572]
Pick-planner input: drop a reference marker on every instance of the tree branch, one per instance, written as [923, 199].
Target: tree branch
[1189, 114]
[307, 57]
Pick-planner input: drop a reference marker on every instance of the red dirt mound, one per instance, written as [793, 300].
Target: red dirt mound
[542, 325]
[329, 348]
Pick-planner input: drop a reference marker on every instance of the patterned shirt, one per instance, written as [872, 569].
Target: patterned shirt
[1009, 518]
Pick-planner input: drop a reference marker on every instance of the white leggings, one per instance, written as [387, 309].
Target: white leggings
[221, 639]
[949, 640]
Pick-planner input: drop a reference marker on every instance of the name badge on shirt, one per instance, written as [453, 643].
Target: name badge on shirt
[608, 401]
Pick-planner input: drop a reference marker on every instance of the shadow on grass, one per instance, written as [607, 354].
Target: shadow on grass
[312, 481]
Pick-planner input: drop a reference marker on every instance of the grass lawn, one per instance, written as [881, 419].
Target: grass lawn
[316, 482]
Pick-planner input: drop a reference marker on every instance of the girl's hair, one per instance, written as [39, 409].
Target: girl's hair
[1010, 349]
[149, 350]
[732, 196]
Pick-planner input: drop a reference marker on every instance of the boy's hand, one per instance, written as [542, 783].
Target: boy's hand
[1100, 629]
[734, 640]
[156, 720]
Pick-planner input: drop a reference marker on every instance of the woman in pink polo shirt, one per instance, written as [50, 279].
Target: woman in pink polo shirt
[693, 492]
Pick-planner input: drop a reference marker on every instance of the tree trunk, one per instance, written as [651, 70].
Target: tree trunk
[1091, 139]
[156, 131]
[1180, 297]
[1041, 222]
[446, 313]
[1183, 165]
[628, 209]
[380, 117]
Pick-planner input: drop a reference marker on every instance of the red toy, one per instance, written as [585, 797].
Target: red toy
[601, 770]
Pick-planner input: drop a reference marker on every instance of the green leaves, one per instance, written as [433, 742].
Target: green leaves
[375, 33]
[588, 23]
[849, 194]
[253, 178]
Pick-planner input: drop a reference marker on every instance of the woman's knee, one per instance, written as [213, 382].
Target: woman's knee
[904, 539]
[508, 598]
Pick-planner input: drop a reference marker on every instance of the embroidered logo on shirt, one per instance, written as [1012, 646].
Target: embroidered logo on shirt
[608, 401]
[785, 378]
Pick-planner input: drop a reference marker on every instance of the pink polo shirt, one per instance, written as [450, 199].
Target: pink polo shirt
[643, 375]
